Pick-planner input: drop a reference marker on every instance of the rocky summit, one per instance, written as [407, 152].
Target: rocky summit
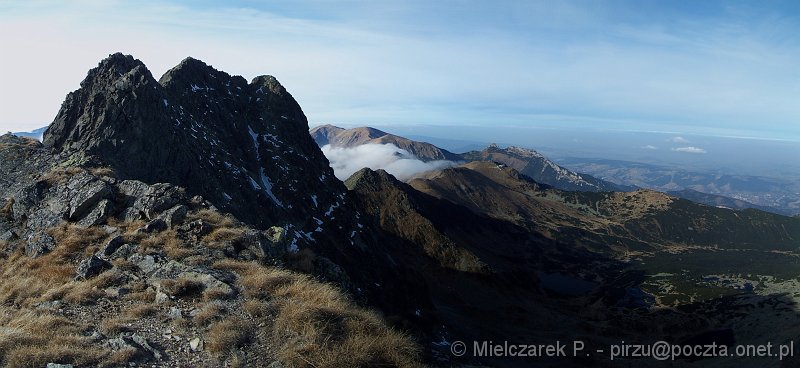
[174, 223]
[244, 146]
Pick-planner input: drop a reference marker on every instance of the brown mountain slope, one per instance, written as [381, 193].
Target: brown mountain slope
[638, 220]
[535, 165]
[339, 137]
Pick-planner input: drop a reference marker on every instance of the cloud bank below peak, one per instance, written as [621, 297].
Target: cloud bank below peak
[396, 161]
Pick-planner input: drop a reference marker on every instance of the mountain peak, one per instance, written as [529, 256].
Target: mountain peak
[118, 81]
[245, 147]
[368, 178]
[119, 62]
[196, 75]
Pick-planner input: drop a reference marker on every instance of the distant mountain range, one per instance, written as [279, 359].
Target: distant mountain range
[526, 161]
[625, 176]
[543, 170]
[743, 191]
[35, 134]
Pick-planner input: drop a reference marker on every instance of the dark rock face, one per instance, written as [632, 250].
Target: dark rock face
[243, 146]
[92, 266]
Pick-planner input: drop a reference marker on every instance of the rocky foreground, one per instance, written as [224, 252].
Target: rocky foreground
[102, 271]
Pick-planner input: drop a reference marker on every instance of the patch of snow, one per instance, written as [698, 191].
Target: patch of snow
[266, 184]
[314, 199]
[268, 188]
[330, 210]
[254, 184]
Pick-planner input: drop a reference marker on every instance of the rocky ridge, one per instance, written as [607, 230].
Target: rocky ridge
[543, 170]
[243, 146]
[121, 272]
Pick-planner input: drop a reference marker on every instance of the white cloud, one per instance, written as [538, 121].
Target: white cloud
[678, 140]
[650, 147]
[689, 149]
[396, 161]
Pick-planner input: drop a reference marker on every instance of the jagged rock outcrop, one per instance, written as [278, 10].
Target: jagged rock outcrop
[141, 163]
[243, 146]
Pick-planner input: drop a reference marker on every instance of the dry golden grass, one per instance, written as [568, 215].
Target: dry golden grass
[112, 277]
[223, 236]
[23, 280]
[120, 357]
[163, 240]
[31, 339]
[73, 243]
[209, 313]
[240, 267]
[58, 174]
[228, 334]
[83, 293]
[115, 326]
[7, 210]
[257, 308]
[261, 283]
[147, 295]
[124, 265]
[103, 171]
[316, 325]
[142, 310]
[213, 218]
[307, 323]
[182, 287]
[215, 294]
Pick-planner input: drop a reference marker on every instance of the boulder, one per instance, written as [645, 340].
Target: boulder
[124, 251]
[175, 215]
[92, 266]
[112, 245]
[157, 198]
[97, 215]
[9, 236]
[85, 193]
[197, 228]
[146, 263]
[155, 226]
[144, 351]
[39, 244]
[196, 344]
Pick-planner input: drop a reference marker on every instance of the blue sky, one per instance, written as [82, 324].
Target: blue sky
[709, 67]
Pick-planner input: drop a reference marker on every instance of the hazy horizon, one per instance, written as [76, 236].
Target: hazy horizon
[717, 68]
